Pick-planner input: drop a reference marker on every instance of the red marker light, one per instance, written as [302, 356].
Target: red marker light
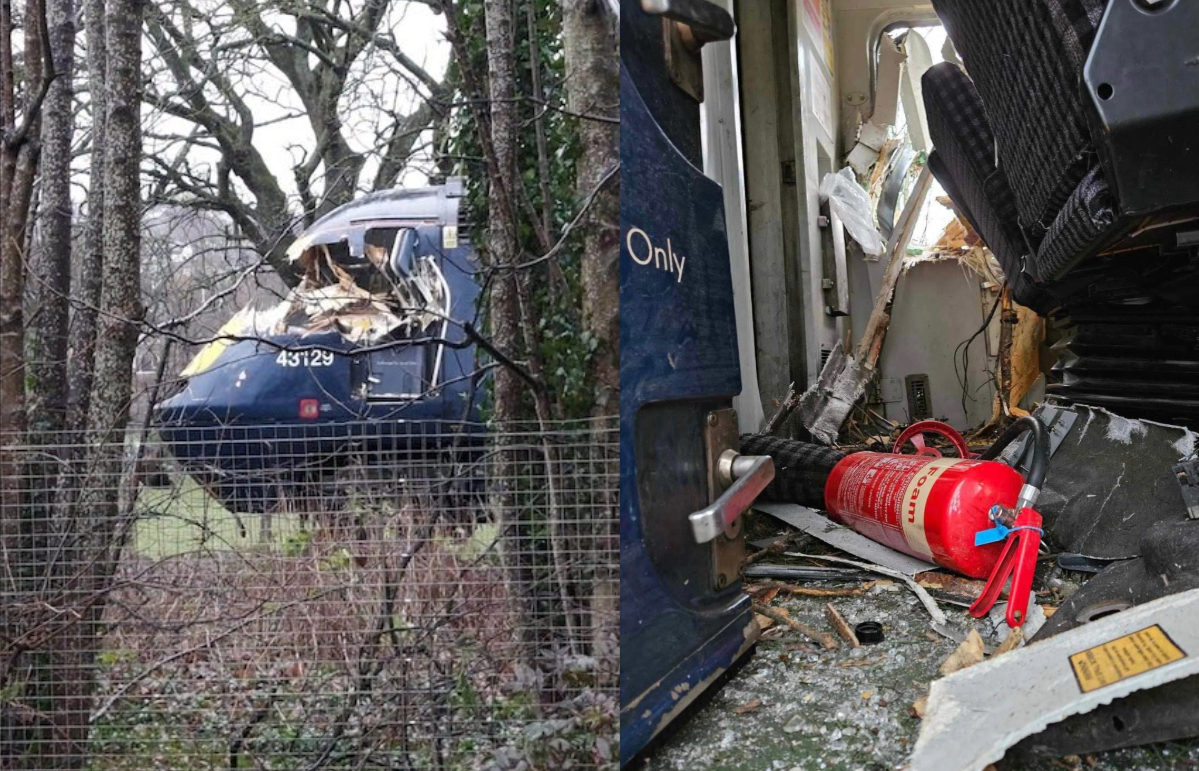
[310, 409]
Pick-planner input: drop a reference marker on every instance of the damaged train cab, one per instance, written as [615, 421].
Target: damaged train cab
[369, 352]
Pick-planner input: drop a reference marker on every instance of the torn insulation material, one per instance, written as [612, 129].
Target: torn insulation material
[365, 301]
[1185, 446]
[1122, 429]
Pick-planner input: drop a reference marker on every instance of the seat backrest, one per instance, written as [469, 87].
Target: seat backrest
[1024, 290]
[965, 146]
[1076, 22]
[1025, 58]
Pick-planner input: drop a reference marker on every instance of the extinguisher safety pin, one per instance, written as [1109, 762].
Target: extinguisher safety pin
[1004, 520]
[1017, 561]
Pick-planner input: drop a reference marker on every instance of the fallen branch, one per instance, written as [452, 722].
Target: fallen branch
[861, 662]
[825, 640]
[824, 407]
[773, 550]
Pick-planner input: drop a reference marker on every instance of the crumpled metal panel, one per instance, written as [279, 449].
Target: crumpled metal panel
[1110, 480]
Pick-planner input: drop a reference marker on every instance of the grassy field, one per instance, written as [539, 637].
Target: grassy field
[184, 519]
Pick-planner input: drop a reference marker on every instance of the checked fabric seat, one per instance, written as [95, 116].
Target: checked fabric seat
[964, 163]
[1026, 59]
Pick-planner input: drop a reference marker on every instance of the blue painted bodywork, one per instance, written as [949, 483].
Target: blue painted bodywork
[237, 426]
[679, 361]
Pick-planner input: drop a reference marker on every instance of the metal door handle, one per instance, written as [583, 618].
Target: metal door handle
[708, 21]
[751, 474]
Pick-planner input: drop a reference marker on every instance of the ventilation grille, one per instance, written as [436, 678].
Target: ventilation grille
[920, 403]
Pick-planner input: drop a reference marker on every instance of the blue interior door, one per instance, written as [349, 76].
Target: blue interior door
[684, 619]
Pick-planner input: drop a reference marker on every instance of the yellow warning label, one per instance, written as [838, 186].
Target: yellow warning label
[1124, 657]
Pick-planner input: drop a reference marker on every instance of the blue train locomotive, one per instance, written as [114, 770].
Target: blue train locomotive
[369, 353]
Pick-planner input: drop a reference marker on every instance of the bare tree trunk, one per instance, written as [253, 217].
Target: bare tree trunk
[590, 44]
[51, 262]
[18, 169]
[28, 737]
[120, 295]
[501, 220]
[94, 544]
[539, 108]
[12, 389]
[47, 673]
[87, 281]
[521, 548]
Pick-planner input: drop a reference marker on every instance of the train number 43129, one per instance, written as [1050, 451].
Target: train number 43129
[304, 358]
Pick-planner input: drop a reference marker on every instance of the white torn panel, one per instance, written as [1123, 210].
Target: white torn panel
[861, 158]
[1067, 674]
[886, 82]
[1122, 429]
[874, 136]
[1185, 446]
[839, 536]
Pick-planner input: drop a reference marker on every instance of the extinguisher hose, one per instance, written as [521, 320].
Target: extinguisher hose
[801, 469]
[1040, 455]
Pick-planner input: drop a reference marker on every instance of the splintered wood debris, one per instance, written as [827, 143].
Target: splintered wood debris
[748, 707]
[926, 599]
[969, 653]
[783, 617]
[769, 589]
[1012, 641]
[952, 584]
[839, 624]
[329, 298]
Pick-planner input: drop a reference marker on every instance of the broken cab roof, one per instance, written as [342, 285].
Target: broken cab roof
[436, 205]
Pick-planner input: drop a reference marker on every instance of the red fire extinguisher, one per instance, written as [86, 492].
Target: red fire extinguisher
[971, 515]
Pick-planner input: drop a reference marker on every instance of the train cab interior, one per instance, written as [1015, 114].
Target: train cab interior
[979, 214]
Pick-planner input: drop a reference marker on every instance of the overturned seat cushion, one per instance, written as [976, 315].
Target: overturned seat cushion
[1082, 227]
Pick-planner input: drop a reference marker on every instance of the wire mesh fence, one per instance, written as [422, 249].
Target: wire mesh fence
[362, 596]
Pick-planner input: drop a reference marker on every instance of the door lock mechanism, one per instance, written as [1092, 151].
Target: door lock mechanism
[749, 475]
